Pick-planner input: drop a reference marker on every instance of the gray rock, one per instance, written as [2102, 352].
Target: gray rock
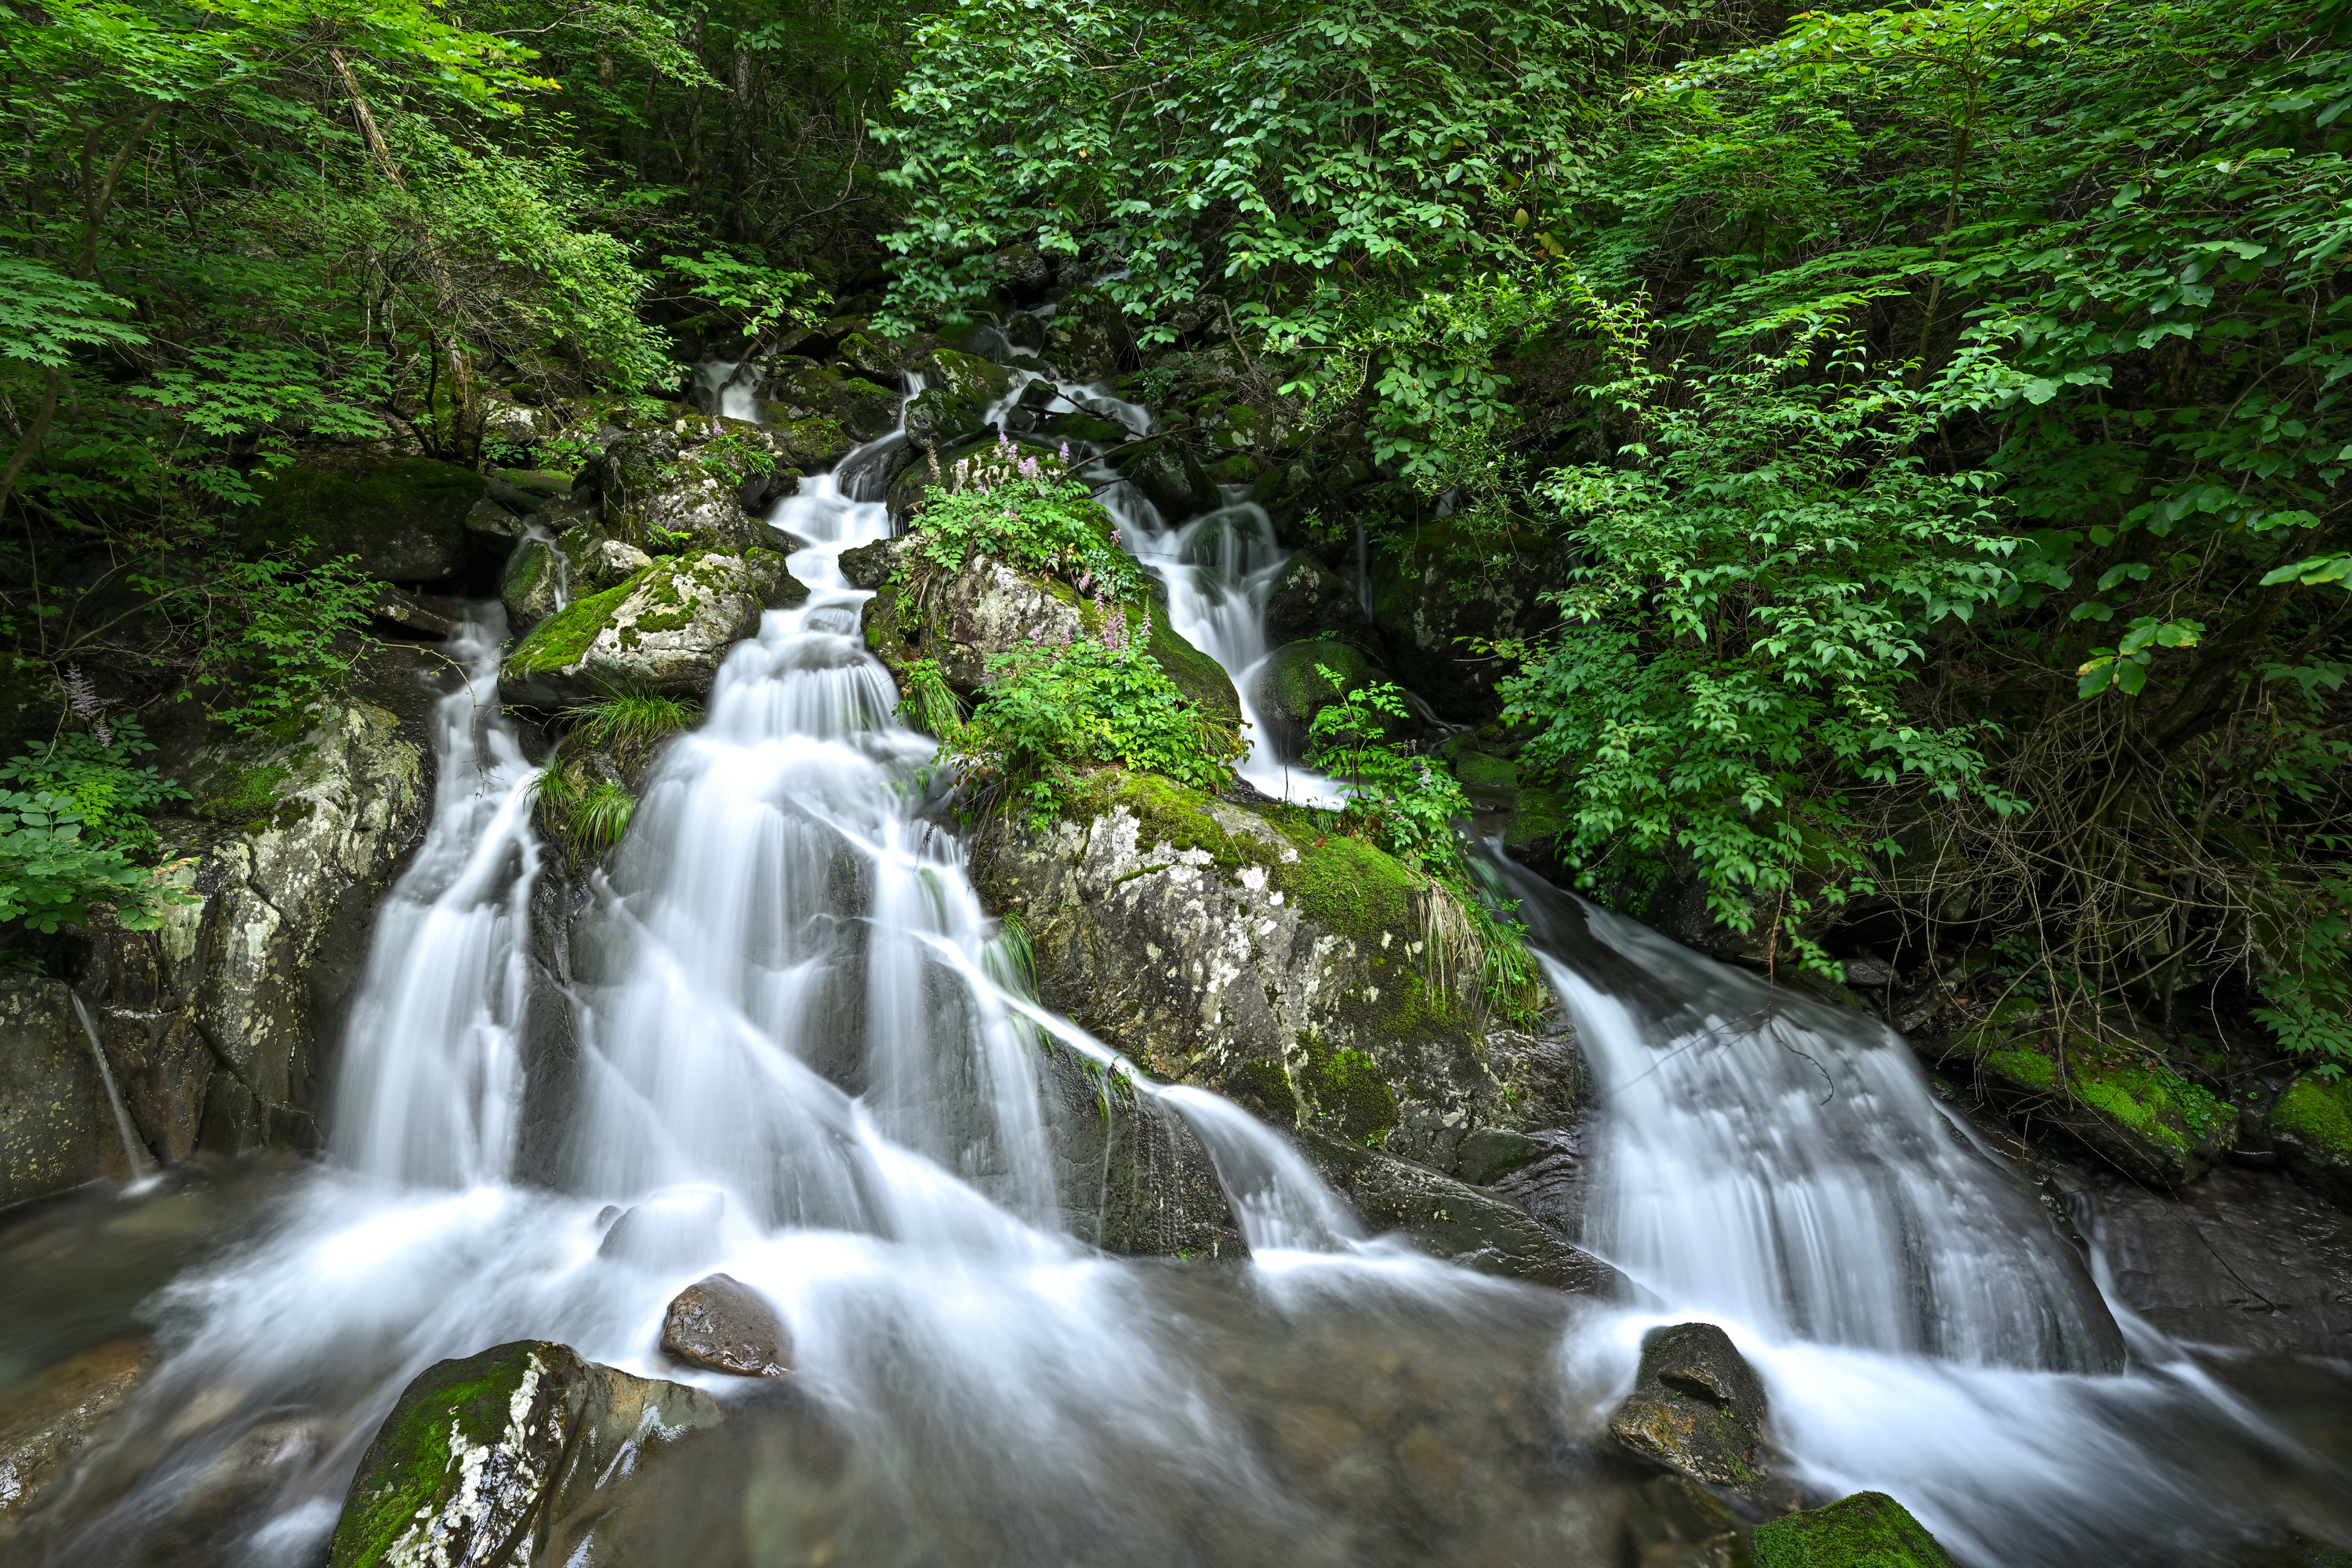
[937, 415]
[1169, 475]
[723, 1325]
[666, 629]
[1489, 1154]
[1677, 1523]
[1307, 599]
[491, 515]
[48, 1418]
[56, 1129]
[982, 613]
[1292, 689]
[1697, 1407]
[872, 565]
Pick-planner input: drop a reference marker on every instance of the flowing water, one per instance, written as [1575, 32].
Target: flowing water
[789, 1057]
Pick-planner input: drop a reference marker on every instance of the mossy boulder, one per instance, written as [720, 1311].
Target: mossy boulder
[967, 376]
[1291, 688]
[1257, 953]
[2113, 1096]
[1697, 1407]
[685, 484]
[937, 415]
[818, 414]
[458, 1471]
[544, 576]
[2311, 1128]
[1868, 1529]
[404, 519]
[1196, 675]
[881, 354]
[1425, 600]
[1169, 475]
[1308, 599]
[666, 629]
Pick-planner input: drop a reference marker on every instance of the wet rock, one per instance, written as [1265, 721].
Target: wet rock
[871, 566]
[1285, 970]
[491, 515]
[1426, 600]
[880, 353]
[2311, 1128]
[403, 517]
[666, 629]
[1677, 1523]
[57, 1129]
[721, 1323]
[1475, 1229]
[1491, 1153]
[967, 377]
[2129, 1110]
[1292, 688]
[1169, 475]
[627, 1433]
[459, 1469]
[1307, 599]
[677, 486]
[427, 613]
[1697, 1406]
[48, 1418]
[532, 588]
[2245, 1259]
[937, 415]
[1868, 1527]
[983, 613]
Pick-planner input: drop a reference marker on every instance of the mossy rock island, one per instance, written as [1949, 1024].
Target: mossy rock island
[666, 629]
[2311, 1128]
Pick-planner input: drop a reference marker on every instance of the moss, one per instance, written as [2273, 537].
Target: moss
[1476, 770]
[563, 639]
[246, 799]
[1538, 814]
[1347, 1089]
[2318, 1112]
[1352, 887]
[405, 1471]
[352, 510]
[1196, 675]
[2147, 1100]
[531, 562]
[1170, 814]
[1868, 1529]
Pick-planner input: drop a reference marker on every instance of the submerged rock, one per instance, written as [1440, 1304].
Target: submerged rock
[1680, 1524]
[665, 629]
[48, 1418]
[2311, 1128]
[1697, 1406]
[1868, 1529]
[721, 1323]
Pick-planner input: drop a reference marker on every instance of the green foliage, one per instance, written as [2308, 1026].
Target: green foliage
[763, 295]
[1025, 510]
[109, 791]
[1405, 804]
[582, 814]
[290, 654]
[1047, 712]
[71, 832]
[629, 724]
[930, 704]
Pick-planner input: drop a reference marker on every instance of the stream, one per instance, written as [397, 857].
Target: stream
[795, 1059]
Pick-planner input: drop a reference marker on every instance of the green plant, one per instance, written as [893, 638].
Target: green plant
[1048, 710]
[629, 724]
[1025, 510]
[287, 656]
[584, 817]
[109, 793]
[930, 704]
[1408, 804]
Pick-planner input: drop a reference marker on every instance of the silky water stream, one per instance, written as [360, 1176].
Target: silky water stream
[788, 1058]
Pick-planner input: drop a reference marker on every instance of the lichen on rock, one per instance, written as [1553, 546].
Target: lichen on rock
[666, 629]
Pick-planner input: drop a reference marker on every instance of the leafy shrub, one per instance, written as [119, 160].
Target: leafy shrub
[1405, 804]
[282, 661]
[1025, 510]
[1049, 710]
[70, 835]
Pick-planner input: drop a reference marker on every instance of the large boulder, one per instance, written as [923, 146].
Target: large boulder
[2311, 1128]
[666, 629]
[402, 519]
[2120, 1102]
[1280, 964]
[1426, 601]
[820, 415]
[1697, 1406]
[967, 376]
[544, 576]
[1291, 690]
[1169, 475]
[937, 415]
[685, 485]
[1868, 1529]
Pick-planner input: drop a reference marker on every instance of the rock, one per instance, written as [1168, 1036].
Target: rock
[2149, 1122]
[2311, 1128]
[937, 417]
[57, 1129]
[984, 611]
[1307, 599]
[459, 1469]
[404, 519]
[723, 1325]
[1196, 675]
[1489, 1154]
[627, 1429]
[967, 377]
[1256, 957]
[1697, 1406]
[877, 353]
[566, 512]
[427, 613]
[666, 489]
[528, 490]
[1291, 690]
[490, 515]
[533, 587]
[666, 629]
[816, 415]
[1425, 601]
[48, 1418]
[1868, 1529]
[1022, 269]
[1169, 475]
[1477, 1230]
[872, 565]
[1677, 1523]
[583, 562]
[2245, 1259]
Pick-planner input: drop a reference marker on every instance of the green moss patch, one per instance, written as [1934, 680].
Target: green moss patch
[1196, 675]
[1868, 1529]
[1349, 1091]
[246, 799]
[2321, 1111]
[563, 639]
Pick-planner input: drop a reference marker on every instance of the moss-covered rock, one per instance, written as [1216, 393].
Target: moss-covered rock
[1291, 688]
[937, 417]
[1258, 954]
[1196, 675]
[967, 376]
[458, 1471]
[666, 629]
[1868, 1529]
[1424, 601]
[2120, 1102]
[2311, 1127]
[1169, 475]
[404, 519]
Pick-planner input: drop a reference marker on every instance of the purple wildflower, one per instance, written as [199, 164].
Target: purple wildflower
[83, 699]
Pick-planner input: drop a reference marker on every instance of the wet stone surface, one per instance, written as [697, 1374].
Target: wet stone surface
[1697, 1406]
[723, 1325]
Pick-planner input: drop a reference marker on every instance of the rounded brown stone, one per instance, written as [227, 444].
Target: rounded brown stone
[723, 1325]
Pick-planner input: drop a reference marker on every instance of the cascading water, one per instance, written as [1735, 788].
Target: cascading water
[793, 1064]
